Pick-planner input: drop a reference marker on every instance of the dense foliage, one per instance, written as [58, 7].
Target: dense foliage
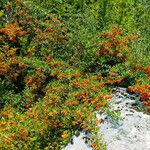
[60, 59]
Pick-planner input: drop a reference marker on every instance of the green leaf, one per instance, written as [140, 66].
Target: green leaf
[1, 13]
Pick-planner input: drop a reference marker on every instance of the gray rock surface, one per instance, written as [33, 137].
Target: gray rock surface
[131, 133]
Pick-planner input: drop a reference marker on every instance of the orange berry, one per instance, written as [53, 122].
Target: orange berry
[75, 103]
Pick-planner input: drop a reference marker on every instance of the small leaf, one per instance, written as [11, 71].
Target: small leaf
[1, 13]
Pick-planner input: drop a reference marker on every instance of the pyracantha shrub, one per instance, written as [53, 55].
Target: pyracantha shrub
[43, 100]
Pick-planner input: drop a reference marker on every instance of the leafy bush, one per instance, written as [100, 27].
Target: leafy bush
[44, 100]
[55, 73]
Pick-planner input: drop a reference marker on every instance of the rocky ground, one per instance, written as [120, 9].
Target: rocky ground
[130, 133]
